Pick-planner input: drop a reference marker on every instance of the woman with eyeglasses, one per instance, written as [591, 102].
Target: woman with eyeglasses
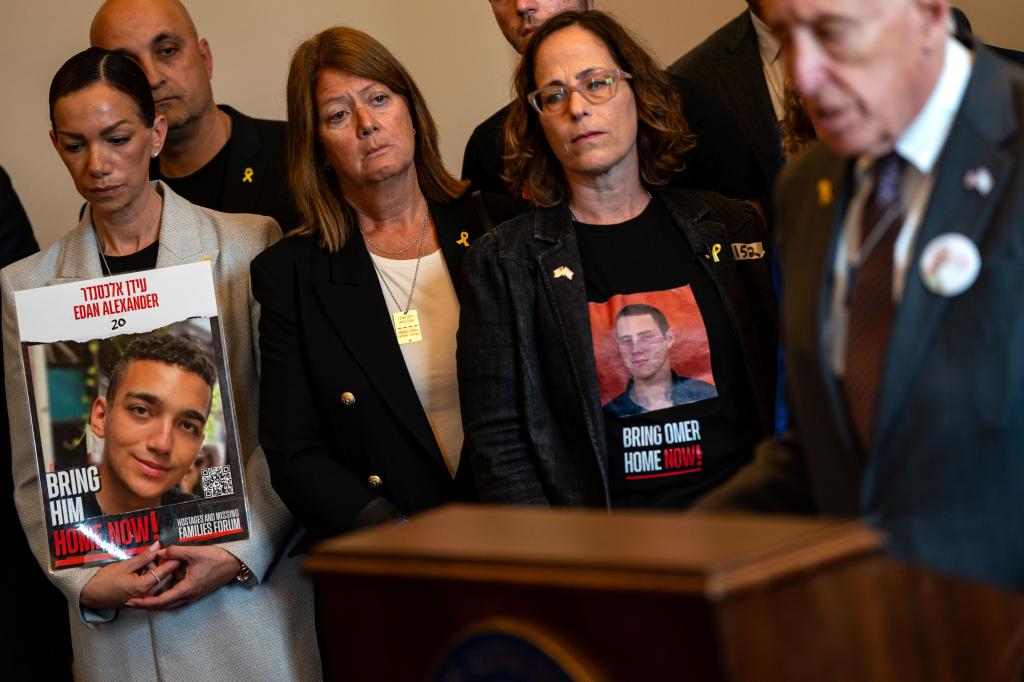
[616, 344]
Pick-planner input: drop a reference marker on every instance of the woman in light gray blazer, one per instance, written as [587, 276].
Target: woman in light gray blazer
[224, 619]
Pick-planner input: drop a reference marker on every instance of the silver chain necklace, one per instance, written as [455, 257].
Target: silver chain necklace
[416, 272]
[407, 247]
[577, 218]
[99, 247]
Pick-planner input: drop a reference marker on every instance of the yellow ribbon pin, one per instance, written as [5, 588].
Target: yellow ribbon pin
[463, 239]
[715, 250]
[824, 192]
[248, 175]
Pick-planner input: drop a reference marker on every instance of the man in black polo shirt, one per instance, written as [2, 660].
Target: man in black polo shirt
[214, 156]
[722, 161]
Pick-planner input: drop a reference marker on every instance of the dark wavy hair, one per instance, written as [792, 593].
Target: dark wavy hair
[663, 136]
[325, 211]
[178, 351]
[97, 65]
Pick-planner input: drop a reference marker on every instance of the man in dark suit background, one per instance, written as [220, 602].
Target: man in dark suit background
[214, 156]
[741, 64]
[902, 239]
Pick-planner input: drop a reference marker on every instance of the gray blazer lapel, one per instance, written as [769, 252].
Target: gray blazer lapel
[567, 295]
[985, 122]
[181, 239]
[80, 258]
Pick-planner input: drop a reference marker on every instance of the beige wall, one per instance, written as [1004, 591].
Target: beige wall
[452, 48]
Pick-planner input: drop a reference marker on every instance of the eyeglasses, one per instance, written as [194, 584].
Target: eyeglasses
[595, 85]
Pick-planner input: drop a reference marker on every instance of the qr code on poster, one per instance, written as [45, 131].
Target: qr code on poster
[217, 481]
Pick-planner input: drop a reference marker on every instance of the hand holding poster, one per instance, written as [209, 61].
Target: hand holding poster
[131, 413]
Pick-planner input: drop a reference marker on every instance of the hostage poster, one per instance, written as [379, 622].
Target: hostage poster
[131, 412]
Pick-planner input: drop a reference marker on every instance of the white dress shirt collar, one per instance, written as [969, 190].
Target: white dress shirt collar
[767, 43]
[772, 65]
[923, 140]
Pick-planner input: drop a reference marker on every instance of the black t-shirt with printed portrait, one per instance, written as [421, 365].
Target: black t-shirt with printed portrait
[678, 410]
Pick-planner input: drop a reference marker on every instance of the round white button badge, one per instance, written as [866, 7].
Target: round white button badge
[950, 264]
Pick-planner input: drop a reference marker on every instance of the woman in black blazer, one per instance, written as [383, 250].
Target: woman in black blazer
[359, 411]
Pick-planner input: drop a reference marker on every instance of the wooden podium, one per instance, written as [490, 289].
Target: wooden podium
[493, 593]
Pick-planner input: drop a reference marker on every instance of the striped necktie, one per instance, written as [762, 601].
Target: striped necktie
[871, 308]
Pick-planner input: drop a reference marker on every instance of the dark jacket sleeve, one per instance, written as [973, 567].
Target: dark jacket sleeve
[316, 487]
[16, 238]
[492, 373]
[775, 482]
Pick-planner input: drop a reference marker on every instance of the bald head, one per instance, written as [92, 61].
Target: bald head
[114, 15]
[160, 36]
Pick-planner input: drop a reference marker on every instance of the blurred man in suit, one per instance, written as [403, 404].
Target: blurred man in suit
[901, 236]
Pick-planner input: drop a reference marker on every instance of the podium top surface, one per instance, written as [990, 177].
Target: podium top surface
[713, 555]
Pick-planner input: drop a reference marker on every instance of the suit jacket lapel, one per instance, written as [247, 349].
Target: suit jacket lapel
[809, 238]
[567, 295]
[349, 292]
[81, 256]
[748, 96]
[827, 217]
[455, 233]
[985, 122]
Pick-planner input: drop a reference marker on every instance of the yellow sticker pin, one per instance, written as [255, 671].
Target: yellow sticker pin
[715, 250]
[463, 239]
[248, 175]
[824, 192]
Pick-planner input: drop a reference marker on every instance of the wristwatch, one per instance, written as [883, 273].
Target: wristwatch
[244, 575]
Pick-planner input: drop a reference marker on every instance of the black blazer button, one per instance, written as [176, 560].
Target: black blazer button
[375, 481]
[348, 399]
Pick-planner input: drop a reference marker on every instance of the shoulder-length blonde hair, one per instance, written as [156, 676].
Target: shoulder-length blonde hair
[663, 136]
[325, 212]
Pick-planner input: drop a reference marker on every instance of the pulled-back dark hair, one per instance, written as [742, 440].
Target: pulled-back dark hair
[97, 65]
[662, 138]
[177, 351]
